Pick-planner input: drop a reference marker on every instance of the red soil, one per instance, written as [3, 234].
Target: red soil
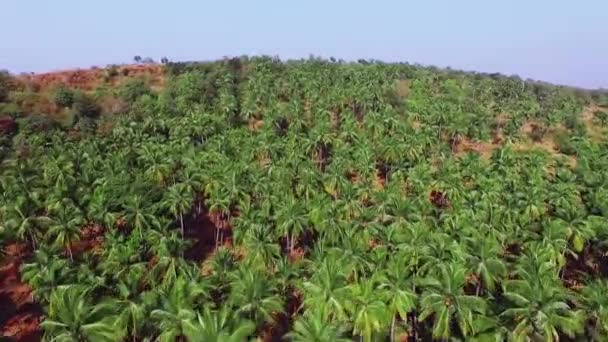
[89, 79]
[283, 320]
[20, 315]
[440, 200]
[7, 125]
[591, 261]
[91, 239]
[203, 229]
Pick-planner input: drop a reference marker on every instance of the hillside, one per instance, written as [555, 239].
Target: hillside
[307, 200]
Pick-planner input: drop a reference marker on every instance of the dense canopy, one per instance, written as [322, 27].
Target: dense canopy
[311, 201]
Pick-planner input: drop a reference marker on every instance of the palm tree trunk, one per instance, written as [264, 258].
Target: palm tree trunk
[416, 328]
[70, 252]
[393, 329]
[217, 236]
[181, 222]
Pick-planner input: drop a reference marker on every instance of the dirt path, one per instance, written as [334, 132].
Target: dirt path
[20, 316]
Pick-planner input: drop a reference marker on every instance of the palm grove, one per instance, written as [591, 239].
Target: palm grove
[313, 201]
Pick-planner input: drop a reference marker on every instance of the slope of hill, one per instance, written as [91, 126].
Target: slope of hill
[305, 200]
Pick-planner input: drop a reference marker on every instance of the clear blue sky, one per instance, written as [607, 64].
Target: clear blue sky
[561, 41]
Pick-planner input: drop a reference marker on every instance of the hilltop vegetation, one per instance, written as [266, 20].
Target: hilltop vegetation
[305, 200]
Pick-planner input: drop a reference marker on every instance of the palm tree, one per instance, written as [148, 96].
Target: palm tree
[313, 327]
[134, 306]
[99, 203]
[177, 308]
[45, 273]
[217, 326]
[444, 297]
[596, 304]
[72, 317]
[367, 308]
[19, 219]
[138, 215]
[178, 200]
[486, 262]
[538, 301]
[327, 288]
[66, 222]
[255, 295]
[400, 289]
[291, 221]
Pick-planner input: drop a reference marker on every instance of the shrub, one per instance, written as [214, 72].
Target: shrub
[111, 71]
[37, 123]
[85, 106]
[10, 109]
[63, 97]
[564, 143]
[86, 125]
[575, 124]
[133, 89]
[601, 117]
[5, 85]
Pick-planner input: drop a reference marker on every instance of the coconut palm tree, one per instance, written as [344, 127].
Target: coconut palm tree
[177, 308]
[596, 304]
[139, 215]
[218, 326]
[178, 200]
[538, 302]
[444, 297]
[367, 308]
[66, 222]
[72, 317]
[254, 294]
[313, 327]
[45, 273]
[20, 219]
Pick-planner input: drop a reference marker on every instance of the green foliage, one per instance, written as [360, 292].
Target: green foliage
[601, 117]
[85, 106]
[63, 97]
[312, 201]
[565, 143]
[133, 89]
[10, 109]
[5, 85]
[576, 125]
[36, 123]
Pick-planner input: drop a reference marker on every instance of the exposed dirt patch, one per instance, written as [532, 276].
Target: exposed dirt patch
[484, 149]
[20, 316]
[23, 327]
[592, 261]
[439, 200]
[91, 240]
[207, 231]
[381, 178]
[7, 125]
[595, 131]
[353, 177]
[283, 320]
[254, 124]
[89, 79]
